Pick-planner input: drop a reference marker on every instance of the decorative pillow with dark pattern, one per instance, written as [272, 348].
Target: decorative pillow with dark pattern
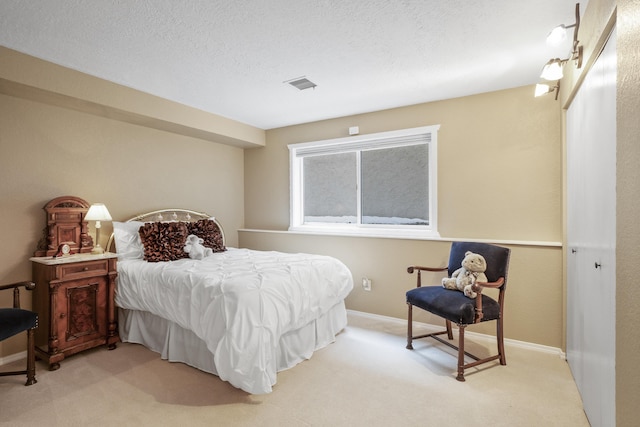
[208, 231]
[164, 241]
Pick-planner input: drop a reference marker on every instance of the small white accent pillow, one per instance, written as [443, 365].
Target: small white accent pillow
[128, 243]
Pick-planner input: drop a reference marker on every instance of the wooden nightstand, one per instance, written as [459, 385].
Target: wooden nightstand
[74, 299]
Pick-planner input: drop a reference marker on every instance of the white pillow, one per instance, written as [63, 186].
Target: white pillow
[128, 243]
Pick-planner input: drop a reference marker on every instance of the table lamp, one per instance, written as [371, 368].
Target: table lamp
[97, 212]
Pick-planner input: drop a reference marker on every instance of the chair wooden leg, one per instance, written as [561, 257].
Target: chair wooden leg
[449, 331]
[500, 337]
[410, 327]
[31, 358]
[460, 376]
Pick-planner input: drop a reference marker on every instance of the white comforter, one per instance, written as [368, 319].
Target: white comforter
[240, 302]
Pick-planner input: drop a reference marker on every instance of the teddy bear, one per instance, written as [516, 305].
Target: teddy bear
[472, 271]
[195, 249]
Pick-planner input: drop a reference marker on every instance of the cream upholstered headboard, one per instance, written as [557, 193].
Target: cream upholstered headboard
[173, 214]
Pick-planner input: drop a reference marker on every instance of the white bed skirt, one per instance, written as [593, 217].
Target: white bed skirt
[177, 344]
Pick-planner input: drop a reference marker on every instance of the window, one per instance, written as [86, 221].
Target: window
[379, 184]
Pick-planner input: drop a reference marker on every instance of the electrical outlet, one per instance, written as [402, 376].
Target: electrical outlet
[366, 284]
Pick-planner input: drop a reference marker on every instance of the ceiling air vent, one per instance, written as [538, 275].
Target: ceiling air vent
[301, 83]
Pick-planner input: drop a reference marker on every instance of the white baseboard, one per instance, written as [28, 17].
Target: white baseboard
[475, 335]
[13, 357]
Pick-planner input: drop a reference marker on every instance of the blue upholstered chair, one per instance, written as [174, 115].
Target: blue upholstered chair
[454, 306]
[15, 320]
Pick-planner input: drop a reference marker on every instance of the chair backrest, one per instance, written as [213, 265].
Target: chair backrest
[497, 259]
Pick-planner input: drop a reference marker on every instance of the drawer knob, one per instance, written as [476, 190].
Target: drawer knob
[86, 269]
[62, 315]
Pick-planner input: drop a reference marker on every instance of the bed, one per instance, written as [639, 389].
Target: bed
[240, 314]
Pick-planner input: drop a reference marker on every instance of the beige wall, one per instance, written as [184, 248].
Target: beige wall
[627, 205]
[498, 152]
[47, 151]
[32, 78]
[385, 262]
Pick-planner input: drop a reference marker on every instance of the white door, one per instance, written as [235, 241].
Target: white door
[591, 228]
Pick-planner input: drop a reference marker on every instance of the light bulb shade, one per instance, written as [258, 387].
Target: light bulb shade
[98, 212]
[557, 36]
[552, 70]
[542, 89]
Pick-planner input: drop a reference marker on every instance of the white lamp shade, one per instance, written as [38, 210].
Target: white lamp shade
[542, 89]
[98, 212]
[552, 70]
[557, 36]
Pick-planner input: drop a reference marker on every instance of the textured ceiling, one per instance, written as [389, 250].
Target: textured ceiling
[231, 57]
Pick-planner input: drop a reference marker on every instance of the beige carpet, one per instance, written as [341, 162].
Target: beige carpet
[365, 378]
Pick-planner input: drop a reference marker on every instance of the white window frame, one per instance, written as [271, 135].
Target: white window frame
[398, 138]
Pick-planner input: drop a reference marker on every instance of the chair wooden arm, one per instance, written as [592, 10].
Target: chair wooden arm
[16, 291]
[417, 267]
[478, 287]
[420, 269]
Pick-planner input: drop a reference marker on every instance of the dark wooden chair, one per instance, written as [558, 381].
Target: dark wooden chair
[454, 306]
[15, 320]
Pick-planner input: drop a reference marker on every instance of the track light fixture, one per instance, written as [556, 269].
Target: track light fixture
[553, 69]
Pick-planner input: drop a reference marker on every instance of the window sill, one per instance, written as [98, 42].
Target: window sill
[537, 243]
[409, 233]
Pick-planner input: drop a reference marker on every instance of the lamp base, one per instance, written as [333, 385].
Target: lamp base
[97, 250]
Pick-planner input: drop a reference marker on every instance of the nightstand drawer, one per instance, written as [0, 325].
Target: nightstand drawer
[84, 269]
